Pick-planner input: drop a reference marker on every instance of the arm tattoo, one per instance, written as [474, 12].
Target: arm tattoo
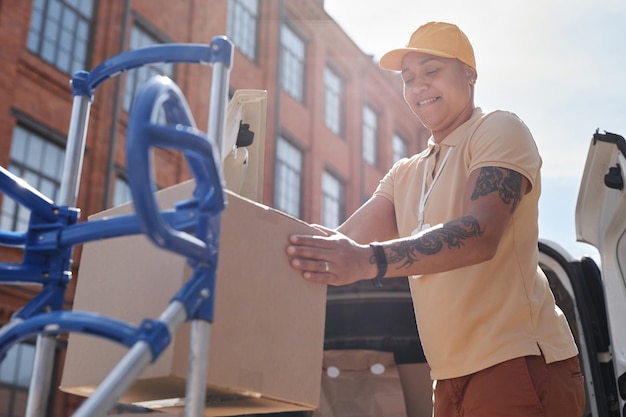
[453, 234]
[506, 182]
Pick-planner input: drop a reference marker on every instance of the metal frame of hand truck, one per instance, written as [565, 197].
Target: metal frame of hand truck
[54, 230]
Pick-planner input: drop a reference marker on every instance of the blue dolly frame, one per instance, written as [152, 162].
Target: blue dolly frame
[191, 229]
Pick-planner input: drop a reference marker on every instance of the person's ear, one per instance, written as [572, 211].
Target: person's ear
[471, 74]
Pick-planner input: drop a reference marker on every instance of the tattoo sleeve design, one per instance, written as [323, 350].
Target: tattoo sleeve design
[506, 182]
[452, 235]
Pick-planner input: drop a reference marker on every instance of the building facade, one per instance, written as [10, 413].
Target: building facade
[335, 121]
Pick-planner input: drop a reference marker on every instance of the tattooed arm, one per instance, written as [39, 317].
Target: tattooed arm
[378, 213]
[490, 198]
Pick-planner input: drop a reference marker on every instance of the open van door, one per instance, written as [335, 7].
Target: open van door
[601, 222]
[578, 291]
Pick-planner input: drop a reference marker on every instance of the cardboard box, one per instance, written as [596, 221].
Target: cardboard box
[266, 343]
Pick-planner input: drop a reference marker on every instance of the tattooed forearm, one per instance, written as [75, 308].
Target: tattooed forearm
[451, 235]
[506, 182]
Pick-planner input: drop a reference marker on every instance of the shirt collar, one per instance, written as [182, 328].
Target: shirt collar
[457, 135]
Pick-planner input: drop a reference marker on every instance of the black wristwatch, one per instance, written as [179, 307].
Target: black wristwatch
[381, 264]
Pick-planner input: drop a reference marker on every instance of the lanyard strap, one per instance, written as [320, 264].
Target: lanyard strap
[426, 193]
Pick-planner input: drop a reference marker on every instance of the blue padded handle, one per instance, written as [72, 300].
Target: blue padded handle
[219, 50]
[153, 332]
[160, 95]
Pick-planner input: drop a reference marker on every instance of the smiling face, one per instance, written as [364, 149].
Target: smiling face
[440, 91]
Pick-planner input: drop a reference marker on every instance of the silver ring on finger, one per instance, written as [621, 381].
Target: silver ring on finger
[326, 266]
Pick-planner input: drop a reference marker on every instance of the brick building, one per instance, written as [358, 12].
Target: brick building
[335, 121]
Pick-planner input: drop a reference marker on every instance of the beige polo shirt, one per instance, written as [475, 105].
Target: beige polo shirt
[474, 317]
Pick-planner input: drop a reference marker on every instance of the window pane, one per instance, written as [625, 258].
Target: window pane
[63, 61]
[34, 34]
[85, 7]
[332, 96]
[47, 51]
[139, 38]
[35, 153]
[82, 30]
[288, 177]
[8, 208]
[8, 367]
[15, 373]
[51, 32]
[38, 162]
[17, 367]
[39, 5]
[18, 144]
[370, 127]
[54, 10]
[25, 365]
[66, 41]
[292, 63]
[122, 192]
[55, 27]
[332, 201]
[242, 25]
[22, 218]
[31, 178]
[400, 148]
[70, 19]
[47, 188]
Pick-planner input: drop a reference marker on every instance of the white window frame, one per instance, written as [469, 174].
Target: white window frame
[370, 133]
[288, 177]
[140, 38]
[60, 32]
[332, 100]
[400, 148]
[332, 200]
[38, 161]
[292, 62]
[242, 26]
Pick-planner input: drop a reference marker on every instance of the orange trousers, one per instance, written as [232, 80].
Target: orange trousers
[521, 387]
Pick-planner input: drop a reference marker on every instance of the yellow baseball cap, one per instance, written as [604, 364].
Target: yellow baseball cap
[434, 38]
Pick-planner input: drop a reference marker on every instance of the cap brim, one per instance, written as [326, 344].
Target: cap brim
[392, 60]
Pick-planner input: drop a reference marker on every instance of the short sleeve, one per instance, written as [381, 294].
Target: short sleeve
[385, 186]
[503, 140]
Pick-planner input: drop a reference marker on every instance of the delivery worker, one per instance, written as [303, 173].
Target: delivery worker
[461, 220]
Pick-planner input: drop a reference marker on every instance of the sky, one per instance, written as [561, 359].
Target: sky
[558, 64]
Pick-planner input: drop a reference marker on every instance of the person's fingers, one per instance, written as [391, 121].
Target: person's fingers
[312, 240]
[312, 265]
[310, 252]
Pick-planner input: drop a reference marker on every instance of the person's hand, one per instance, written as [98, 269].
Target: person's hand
[334, 259]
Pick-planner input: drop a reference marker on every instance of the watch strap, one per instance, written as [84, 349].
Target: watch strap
[381, 263]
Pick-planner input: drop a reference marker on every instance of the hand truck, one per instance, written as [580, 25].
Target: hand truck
[191, 229]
